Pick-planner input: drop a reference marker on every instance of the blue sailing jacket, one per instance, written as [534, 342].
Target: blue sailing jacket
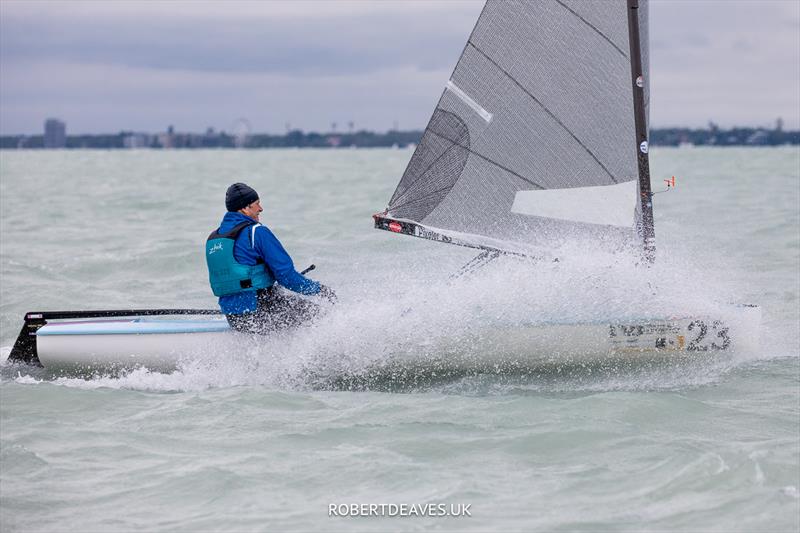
[227, 275]
[267, 247]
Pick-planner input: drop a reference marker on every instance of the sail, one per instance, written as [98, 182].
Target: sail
[533, 138]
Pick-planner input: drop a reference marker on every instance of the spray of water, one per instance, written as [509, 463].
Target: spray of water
[419, 329]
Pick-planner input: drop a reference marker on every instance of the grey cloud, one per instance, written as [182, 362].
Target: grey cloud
[308, 46]
[742, 45]
[102, 68]
[696, 40]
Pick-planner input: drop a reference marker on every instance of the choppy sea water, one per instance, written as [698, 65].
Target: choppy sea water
[266, 440]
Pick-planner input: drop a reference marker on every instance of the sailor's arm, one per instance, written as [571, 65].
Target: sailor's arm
[274, 255]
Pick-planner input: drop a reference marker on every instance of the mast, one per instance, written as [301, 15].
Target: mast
[646, 227]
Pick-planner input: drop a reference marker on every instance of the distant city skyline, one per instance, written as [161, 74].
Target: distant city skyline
[142, 66]
[54, 137]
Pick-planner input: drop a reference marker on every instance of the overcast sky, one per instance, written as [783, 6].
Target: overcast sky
[109, 66]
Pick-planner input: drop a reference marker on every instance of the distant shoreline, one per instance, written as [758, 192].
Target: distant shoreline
[366, 139]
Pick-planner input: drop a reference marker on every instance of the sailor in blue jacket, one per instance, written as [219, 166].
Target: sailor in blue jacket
[245, 260]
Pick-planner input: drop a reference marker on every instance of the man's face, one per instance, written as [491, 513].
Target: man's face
[252, 210]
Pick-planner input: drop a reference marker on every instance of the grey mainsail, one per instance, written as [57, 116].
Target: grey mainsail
[534, 137]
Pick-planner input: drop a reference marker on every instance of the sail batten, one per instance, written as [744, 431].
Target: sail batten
[540, 99]
[485, 115]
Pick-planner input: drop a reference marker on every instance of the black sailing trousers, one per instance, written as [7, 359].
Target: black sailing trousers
[277, 310]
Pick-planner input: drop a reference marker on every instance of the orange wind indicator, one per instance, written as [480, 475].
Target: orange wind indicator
[670, 185]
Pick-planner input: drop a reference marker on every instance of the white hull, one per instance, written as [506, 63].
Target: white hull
[156, 351]
[584, 342]
[163, 344]
[123, 344]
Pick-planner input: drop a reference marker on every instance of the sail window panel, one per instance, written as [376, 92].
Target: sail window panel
[612, 205]
[434, 166]
[570, 70]
[430, 148]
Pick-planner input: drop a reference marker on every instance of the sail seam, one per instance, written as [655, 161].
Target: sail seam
[546, 110]
[601, 34]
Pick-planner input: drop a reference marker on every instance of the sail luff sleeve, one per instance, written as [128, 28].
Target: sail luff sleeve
[638, 82]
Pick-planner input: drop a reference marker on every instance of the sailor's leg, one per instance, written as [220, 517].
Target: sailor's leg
[246, 322]
[287, 310]
[258, 321]
[277, 310]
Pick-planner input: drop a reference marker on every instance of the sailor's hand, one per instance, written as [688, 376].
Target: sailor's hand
[327, 293]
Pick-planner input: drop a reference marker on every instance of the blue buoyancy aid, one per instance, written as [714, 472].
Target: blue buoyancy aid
[226, 275]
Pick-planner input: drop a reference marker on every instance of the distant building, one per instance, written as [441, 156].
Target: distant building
[136, 140]
[167, 140]
[55, 133]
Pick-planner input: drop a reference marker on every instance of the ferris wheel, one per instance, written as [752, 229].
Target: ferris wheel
[241, 130]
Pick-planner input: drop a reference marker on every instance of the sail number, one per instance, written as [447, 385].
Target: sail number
[717, 339]
[696, 336]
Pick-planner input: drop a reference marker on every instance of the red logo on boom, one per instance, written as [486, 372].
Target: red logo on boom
[395, 227]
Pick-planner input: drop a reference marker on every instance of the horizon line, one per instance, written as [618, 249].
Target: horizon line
[355, 132]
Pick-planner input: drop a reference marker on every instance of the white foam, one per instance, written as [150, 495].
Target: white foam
[421, 312]
[5, 351]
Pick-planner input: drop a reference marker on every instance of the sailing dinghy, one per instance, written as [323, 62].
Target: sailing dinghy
[540, 138]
